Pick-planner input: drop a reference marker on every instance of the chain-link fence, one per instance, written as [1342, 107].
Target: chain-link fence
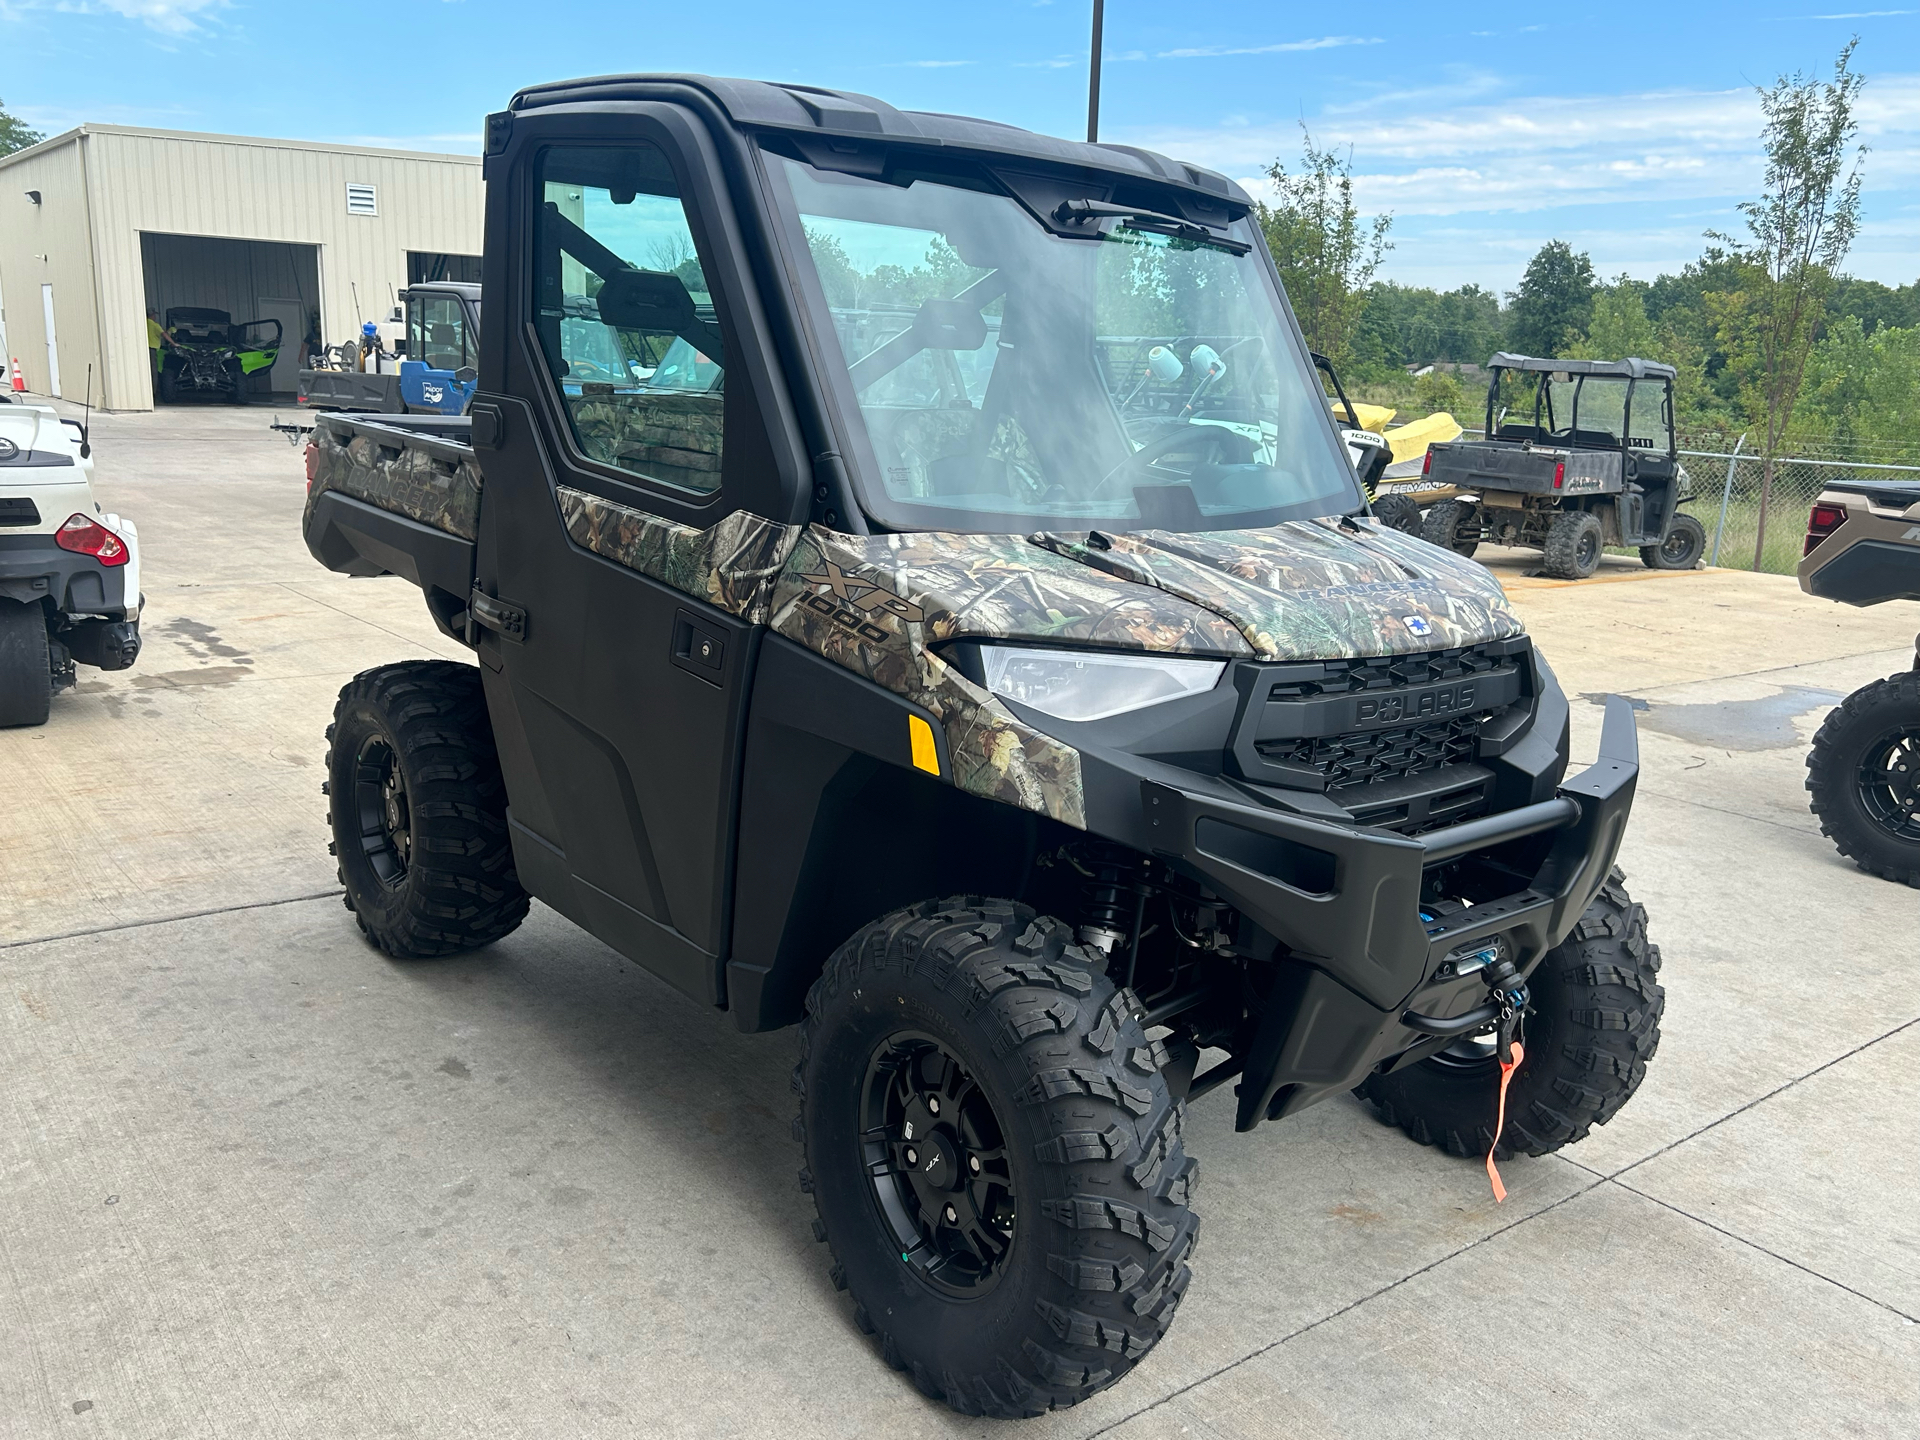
[1727, 494]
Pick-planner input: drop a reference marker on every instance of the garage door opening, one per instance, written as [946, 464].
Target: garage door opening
[234, 313]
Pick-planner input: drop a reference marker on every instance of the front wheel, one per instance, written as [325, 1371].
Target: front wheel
[1686, 542]
[1592, 1026]
[419, 811]
[994, 1156]
[1864, 775]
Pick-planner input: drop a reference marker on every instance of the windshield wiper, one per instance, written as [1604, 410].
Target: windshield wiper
[1085, 212]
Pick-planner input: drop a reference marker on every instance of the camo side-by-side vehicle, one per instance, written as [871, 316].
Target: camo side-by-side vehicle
[1863, 548]
[917, 592]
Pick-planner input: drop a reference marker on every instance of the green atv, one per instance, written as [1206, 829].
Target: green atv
[211, 355]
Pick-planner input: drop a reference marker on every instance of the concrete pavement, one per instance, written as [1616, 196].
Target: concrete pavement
[256, 1180]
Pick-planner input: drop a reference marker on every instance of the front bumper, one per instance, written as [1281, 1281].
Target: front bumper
[1346, 903]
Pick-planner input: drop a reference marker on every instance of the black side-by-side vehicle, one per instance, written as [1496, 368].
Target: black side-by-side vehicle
[917, 592]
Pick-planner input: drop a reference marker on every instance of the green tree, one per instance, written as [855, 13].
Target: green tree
[1799, 231]
[1863, 389]
[1551, 308]
[14, 132]
[1440, 390]
[1618, 325]
[1325, 252]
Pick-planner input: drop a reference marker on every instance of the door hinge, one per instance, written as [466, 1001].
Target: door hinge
[503, 617]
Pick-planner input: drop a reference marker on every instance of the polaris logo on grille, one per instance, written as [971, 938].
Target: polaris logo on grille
[1441, 700]
[1418, 624]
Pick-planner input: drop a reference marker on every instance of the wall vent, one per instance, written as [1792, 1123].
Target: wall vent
[362, 200]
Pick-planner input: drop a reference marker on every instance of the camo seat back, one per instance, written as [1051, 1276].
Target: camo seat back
[672, 438]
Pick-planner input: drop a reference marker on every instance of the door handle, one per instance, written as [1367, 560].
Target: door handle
[503, 617]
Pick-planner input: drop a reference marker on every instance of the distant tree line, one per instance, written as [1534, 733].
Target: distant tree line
[1770, 336]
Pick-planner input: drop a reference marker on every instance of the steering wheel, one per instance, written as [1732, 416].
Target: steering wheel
[1167, 444]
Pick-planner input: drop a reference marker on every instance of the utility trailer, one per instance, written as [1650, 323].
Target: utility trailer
[1578, 455]
[901, 649]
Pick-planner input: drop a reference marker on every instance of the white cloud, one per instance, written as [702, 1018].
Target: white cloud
[170, 17]
[1325, 42]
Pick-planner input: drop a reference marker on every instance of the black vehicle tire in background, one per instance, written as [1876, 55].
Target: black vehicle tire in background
[1592, 1026]
[994, 1156]
[1686, 542]
[26, 670]
[167, 388]
[1454, 524]
[1864, 775]
[1573, 546]
[419, 811]
[1398, 512]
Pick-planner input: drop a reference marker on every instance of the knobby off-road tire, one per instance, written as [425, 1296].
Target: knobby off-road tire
[419, 811]
[1089, 1163]
[1864, 776]
[26, 673]
[1454, 524]
[1398, 512]
[1593, 1025]
[1686, 542]
[1574, 545]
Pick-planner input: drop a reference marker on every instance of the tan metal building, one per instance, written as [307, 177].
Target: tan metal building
[100, 223]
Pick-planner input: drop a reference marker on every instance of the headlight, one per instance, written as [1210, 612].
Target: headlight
[1093, 684]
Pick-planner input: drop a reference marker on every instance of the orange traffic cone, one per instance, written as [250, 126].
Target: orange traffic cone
[19, 380]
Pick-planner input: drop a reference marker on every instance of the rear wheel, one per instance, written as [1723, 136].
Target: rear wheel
[994, 1156]
[1864, 775]
[1454, 524]
[26, 670]
[419, 811]
[1686, 542]
[1573, 545]
[1592, 1026]
[1398, 512]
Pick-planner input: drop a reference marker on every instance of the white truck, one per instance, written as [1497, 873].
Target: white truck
[69, 571]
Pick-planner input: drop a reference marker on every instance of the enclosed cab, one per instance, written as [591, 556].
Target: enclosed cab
[917, 591]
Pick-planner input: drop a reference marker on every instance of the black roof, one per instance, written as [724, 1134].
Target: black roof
[464, 288]
[1632, 367]
[759, 105]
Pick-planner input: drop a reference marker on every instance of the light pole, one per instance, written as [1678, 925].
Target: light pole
[1093, 74]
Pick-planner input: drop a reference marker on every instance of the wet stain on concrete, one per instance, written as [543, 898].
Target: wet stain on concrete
[455, 1067]
[199, 640]
[181, 679]
[1762, 724]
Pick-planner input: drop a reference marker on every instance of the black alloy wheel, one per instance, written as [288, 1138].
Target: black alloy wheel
[1889, 783]
[1863, 773]
[937, 1157]
[1685, 543]
[380, 805]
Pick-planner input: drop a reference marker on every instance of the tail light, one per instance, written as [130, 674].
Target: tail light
[90, 537]
[1824, 520]
[313, 462]
[1426, 465]
[1559, 474]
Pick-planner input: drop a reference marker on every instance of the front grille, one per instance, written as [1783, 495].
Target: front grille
[1388, 672]
[1365, 756]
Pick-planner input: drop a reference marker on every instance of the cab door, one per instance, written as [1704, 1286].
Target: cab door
[641, 484]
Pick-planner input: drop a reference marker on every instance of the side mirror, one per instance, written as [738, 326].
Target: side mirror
[647, 300]
[466, 375]
[398, 317]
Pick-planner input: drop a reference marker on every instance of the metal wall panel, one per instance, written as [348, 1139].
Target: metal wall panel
[46, 244]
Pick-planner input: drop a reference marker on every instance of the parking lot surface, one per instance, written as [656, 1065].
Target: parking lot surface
[257, 1180]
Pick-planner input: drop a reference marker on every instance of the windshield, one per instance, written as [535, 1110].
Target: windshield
[1007, 379]
[1558, 408]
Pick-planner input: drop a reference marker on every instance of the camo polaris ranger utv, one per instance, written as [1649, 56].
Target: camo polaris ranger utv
[885, 644]
[1863, 548]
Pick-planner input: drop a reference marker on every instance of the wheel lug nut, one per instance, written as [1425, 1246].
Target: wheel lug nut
[973, 1163]
[933, 1105]
[913, 1156]
[953, 1216]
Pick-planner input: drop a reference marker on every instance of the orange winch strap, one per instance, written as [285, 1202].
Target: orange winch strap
[1507, 1067]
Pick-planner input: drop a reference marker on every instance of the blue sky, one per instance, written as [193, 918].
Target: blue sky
[1627, 129]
